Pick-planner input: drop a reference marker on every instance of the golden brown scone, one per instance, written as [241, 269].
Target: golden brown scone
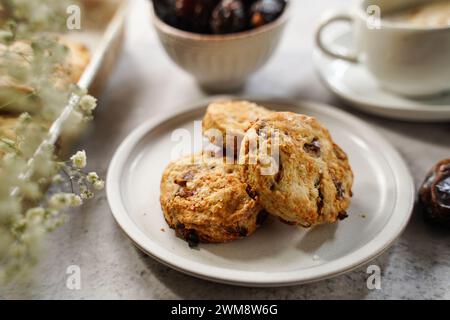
[7, 131]
[312, 179]
[7, 125]
[232, 118]
[19, 96]
[11, 91]
[77, 60]
[205, 200]
[34, 128]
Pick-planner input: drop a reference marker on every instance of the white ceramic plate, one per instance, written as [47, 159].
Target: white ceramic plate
[354, 84]
[277, 254]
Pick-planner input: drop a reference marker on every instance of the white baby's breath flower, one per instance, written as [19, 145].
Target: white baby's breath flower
[8, 142]
[99, 184]
[57, 178]
[36, 64]
[60, 201]
[50, 212]
[53, 224]
[17, 250]
[92, 177]
[76, 201]
[79, 159]
[31, 190]
[86, 194]
[6, 35]
[35, 214]
[9, 158]
[25, 117]
[9, 207]
[88, 103]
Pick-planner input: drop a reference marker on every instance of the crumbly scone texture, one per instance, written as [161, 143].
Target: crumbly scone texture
[205, 200]
[9, 123]
[20, 52]
[232, 117]
[69, 72]
[77, 60]
[312, 178]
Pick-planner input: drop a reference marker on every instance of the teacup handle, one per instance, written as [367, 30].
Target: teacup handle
[328, 19]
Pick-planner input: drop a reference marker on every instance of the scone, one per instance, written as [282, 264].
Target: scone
[205, 200]
[13, 94]
[298, 172]
[10, 123]
[231, 119]
[76, 61]
[20, 96]
[7, 125]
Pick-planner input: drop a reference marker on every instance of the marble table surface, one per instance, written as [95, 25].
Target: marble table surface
[146, 83]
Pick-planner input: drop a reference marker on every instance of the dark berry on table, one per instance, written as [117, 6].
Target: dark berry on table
[434, 194]
[229, 16]
[265, 11]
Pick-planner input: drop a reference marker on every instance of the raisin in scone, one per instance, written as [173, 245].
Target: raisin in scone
[307, 179]
[206, 200]
[231, 119]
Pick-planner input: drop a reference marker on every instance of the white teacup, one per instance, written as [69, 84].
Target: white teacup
[405, 58]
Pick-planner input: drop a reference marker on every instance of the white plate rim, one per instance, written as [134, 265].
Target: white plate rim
[375, 247]
[414, 113]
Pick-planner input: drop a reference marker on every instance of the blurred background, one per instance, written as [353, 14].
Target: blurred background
[146, 83]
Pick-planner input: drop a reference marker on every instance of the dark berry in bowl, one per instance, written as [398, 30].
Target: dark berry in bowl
[218, 16]
[265, 11]
[165, 10]
[434, 194]
[194, 15]
[229, 16]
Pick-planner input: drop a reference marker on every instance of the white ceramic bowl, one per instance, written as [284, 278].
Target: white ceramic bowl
[221, 63]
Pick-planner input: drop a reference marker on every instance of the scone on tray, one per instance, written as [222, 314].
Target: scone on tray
[18, 96]
[77, 60]
[206, 200]
[312, 180]
[9, 124]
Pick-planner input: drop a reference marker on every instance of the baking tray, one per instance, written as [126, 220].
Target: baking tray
[104, 38]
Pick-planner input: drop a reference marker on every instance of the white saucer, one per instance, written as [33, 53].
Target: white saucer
[354, 84]
[277, 254]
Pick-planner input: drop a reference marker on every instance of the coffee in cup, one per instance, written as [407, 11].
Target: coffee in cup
[433, 14]
[407, 50]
